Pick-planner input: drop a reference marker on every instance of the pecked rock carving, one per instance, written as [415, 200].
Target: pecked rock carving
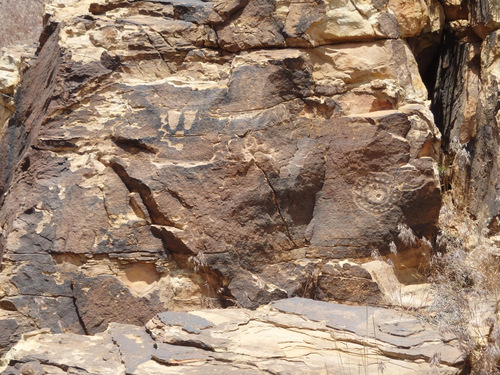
[236, 151]
[374, 192]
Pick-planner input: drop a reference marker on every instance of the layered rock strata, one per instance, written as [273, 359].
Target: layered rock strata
[169, 155]
[289, 336]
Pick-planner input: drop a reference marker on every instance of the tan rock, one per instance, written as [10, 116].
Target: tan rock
[304, 24]
[9, 79]
[288, 336]
[412, 16]
[384, 73]
[91, 354]
[16, 48]
[427, 44]
[396, 293]
[347, 21]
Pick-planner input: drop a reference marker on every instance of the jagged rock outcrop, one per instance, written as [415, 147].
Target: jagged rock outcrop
[289, 336]
[169, 155]
[467, 105]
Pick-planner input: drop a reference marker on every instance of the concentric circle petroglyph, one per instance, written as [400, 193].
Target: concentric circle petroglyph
[374, 192]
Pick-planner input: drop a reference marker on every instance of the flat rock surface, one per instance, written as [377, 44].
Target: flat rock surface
[285, 337]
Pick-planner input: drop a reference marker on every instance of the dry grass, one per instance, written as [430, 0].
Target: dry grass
[466, 279]
[465, 276]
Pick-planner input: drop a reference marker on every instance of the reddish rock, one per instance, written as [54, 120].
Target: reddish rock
[172, 156]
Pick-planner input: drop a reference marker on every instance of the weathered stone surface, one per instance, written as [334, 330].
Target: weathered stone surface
[457, 91]
[134, 344]
[466, 105]
[456, 9]
[56, 313]
[412, 16]
[484, 16]
[347, 283]
[354, 319]
[484, 161]
[12, 325]
[20, 27]
[397, 287]
[65, 354]
[427, 44]
[21, 22]
[262, 23]
[288, 336]
[101, 300]
[174, 155]
[9, 79]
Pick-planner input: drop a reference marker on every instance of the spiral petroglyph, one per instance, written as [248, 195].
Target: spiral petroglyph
[374, 192]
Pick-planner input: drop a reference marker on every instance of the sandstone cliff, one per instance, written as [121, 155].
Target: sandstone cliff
[182, 154]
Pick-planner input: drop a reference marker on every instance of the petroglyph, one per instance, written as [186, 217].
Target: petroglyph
[374, 192]
[181, 120]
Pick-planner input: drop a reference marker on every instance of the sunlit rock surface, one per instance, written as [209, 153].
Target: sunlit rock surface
[173, 155]
[289, 336]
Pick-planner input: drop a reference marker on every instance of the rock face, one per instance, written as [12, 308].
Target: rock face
[21, 22]
[172, 155]
[289, 336]
[467, 106]
[16, 48]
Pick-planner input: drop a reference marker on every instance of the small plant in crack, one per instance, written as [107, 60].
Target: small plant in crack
[435, 360]
[199, 261]
[463, 157]
[393, 248]
[375, 254]
[208, 291]
[406, 235]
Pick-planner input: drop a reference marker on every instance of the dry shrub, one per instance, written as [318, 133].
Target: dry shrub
[466, 283]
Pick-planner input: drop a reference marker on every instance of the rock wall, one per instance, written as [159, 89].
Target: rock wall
[467, 105]
[172, 155]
